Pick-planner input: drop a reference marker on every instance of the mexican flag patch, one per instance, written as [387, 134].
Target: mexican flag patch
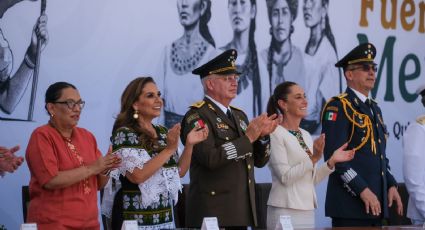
[330, 116]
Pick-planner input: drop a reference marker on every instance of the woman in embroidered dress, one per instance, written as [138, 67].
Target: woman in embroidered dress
[323, 79]
[148, 180]
[251, 89]
[284, 61]
[181, 88]
[293, 160]
[66, 167]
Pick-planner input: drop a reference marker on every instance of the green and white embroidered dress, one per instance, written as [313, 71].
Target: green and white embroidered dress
[150, 202]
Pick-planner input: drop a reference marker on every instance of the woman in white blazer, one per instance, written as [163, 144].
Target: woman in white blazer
[293, 160]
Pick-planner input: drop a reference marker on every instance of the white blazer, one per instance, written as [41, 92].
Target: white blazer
[414, 168]
[293, 173]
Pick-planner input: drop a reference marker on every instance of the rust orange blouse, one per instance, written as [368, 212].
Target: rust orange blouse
[67, 208]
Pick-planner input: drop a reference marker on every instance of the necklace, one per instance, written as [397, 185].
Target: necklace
[74, 153]
[185, 58]
[299, 136]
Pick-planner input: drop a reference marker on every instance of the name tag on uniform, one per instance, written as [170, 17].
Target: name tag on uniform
[210, 223]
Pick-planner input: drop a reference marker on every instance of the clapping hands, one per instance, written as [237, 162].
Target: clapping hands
[197, 135]
[261, 126]
[9, 162]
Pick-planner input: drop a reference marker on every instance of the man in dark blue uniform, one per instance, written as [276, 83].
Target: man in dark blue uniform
[359, 191]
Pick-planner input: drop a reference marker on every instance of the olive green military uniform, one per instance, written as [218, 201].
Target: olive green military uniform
[222, 167]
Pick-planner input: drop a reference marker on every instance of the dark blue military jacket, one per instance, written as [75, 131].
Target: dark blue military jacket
[346, 118]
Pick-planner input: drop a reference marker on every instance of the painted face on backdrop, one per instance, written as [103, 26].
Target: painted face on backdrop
[281, 20]
[296, 103]
[240, 14]
[190, 11]
[67, 109]
[149, 103]
[313, 12]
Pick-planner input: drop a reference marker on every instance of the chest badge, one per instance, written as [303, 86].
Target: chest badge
[243, 125]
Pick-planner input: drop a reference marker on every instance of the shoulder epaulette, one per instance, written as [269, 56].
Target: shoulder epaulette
[421, 120]
[198, 104]
[342, 95]
[233, 107]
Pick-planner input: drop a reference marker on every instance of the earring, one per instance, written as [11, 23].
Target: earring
[52, 115]
[136, 114]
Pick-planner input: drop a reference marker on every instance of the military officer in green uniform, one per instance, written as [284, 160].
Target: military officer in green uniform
[222, 166]
[361, 190]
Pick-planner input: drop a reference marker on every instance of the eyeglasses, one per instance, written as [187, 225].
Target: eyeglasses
[229, 77]
[365, 68]
[71, 103]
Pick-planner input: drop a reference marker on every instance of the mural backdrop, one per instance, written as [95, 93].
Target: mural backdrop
[101, 45]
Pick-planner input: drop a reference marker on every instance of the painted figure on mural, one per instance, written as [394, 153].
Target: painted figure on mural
[13, 86]
[251, 89]
[323, 79]
[195, 46]
[284, 61]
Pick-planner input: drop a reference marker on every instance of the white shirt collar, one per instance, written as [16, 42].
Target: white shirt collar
[221, 106]
[361, 96]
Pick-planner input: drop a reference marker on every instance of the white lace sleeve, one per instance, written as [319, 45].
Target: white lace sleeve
[130, 158]
[165, 181]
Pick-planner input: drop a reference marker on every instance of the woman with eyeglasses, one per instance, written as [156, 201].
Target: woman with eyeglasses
[67, 168]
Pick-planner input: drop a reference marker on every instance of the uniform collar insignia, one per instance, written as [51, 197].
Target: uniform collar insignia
[211, 107]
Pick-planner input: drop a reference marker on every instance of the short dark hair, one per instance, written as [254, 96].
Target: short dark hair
[54, 92]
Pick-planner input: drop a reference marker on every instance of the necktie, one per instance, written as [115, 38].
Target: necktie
[229, 114]
[369, 104]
